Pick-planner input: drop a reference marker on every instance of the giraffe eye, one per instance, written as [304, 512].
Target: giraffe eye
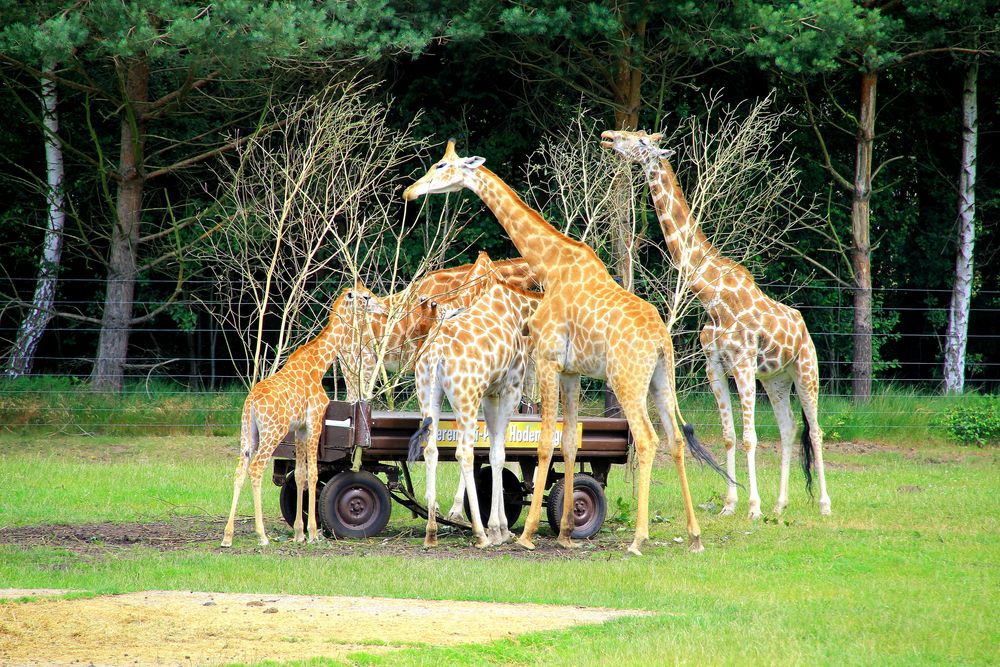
[441, 166]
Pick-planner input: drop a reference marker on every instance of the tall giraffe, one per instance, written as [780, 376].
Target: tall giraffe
[477, 357]
[749, 335]
[588, 325]
[293, 400]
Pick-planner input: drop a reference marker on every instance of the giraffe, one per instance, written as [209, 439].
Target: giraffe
[477, 357]
[411, 314]
[293, 400]
[749, 335]
[586, 324]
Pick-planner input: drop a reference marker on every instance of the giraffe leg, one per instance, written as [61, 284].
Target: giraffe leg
[746, 384]
[468, 433]
[807, 387]
[666, 400]
[430, 494]
[720, 388]
[645, 447]
[301, 478]
[312, 454]
[458, 502]
[238, 479]
[779, 393]
[548, 386]
[571, 405]
[496, 410]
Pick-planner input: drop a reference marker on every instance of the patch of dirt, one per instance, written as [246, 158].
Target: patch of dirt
[192, 628]
[199, 533]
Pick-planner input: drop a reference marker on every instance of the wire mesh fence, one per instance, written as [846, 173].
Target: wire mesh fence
[184, 373]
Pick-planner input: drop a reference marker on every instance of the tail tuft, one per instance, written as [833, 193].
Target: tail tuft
[418, 439]
[701, 453]
[807, 454]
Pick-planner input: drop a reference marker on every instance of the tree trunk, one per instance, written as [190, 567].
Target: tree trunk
[37, 319]
[861, 368]
[628, 76]
[112, 348]
[961, 294]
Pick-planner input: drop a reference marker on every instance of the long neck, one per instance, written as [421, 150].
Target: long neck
[696, 258]
[544, 248]
[523, 303]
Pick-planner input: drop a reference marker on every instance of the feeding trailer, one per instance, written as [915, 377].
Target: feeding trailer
[359, 447]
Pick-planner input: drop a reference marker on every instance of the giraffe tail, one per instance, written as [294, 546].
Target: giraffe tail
[698, 451]
[418, 439]
[249, 432]
[807, 454]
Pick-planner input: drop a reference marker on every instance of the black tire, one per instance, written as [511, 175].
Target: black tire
[354, 504]
[287, 500]
[590, 506]
[513, 496]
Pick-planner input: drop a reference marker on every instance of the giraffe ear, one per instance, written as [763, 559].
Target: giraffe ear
[665, 153]
[471, 163]
[655, 137]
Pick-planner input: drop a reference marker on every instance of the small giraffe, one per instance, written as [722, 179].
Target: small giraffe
[749, 335]
[293, 400]
[588, 325]
[477, 357]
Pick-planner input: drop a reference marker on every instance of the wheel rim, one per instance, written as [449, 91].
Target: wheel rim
[357, 506]
[584, 508]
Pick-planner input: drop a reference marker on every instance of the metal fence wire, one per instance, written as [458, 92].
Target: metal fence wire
[186, 355]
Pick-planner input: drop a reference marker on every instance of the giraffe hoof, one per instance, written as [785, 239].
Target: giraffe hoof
[695, 546]
[567, 543]
[526, 543]
[482, 542]
[824, 508]
[299, 538]
[455, 515]
[505, 536]
[227, 542]
[728, 510]
[264, 541]
[634, 548]
[754, 512]
[779, 508]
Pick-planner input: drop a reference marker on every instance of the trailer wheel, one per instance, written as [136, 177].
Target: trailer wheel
[513, 495]
[354, 504]
[589, 506]
[287, 500]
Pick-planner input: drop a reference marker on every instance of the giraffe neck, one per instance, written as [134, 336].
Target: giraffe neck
[543, 247]
[697, 259]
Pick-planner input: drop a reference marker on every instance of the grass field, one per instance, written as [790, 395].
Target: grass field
[904, 572]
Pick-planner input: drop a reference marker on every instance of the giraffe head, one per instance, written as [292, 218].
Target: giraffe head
[449, 174]
[636, 146]
[355, 300]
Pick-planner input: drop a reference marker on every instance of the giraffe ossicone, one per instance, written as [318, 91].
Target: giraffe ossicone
[749, 335]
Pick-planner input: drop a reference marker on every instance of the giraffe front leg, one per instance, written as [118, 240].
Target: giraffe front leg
[746, 384]
[312, 455]
[720, 389]
[301, 479]
[548, 385]
[571, 403]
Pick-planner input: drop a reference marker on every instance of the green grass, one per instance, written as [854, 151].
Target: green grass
[904, 572]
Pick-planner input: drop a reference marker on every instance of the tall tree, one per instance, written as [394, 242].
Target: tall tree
[147, 63]
[39, 313]
[864, 38]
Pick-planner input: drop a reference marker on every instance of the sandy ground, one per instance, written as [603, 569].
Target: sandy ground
[194, 628]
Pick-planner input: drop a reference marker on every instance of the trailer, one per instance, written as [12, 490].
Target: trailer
[359, 447]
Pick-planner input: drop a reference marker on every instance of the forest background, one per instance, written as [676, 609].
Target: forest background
[893, 128]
